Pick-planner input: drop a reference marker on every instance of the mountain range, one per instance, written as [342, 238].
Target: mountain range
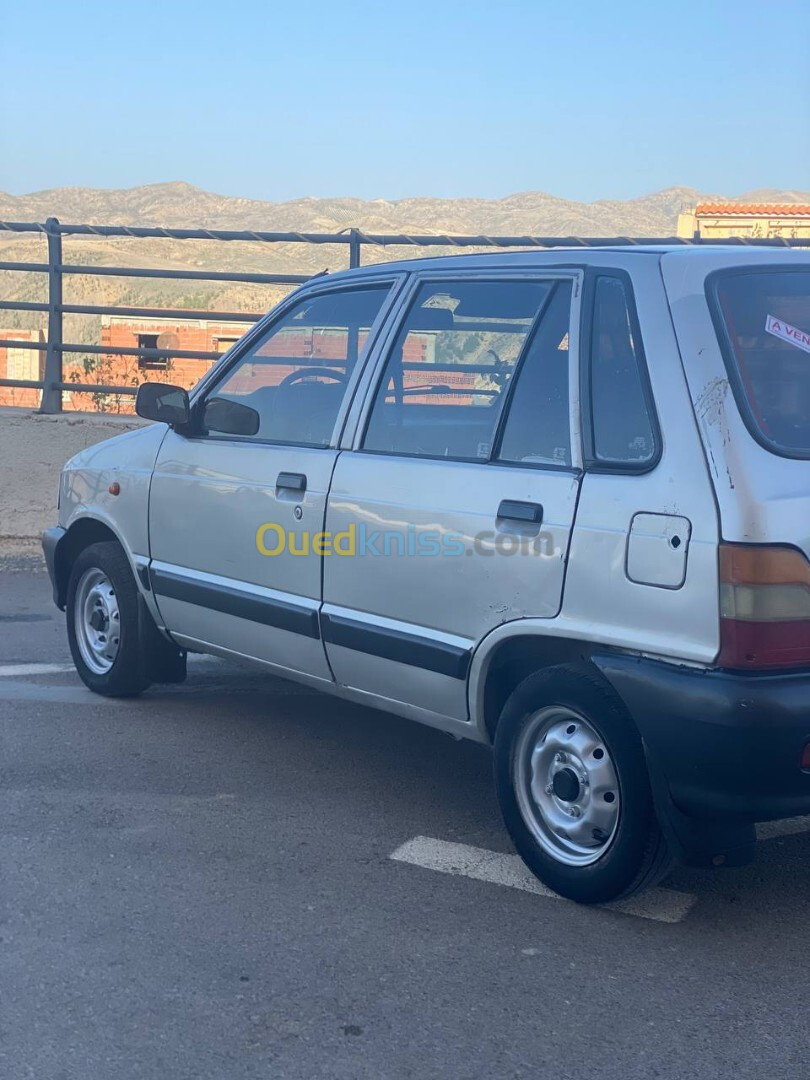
[180, 205]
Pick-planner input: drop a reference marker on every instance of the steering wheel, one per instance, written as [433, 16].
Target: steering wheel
[500, 373]
[308, 373]
[279, 401]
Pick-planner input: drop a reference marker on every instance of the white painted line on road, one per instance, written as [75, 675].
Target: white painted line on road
[663, 905]
[19, 671]
[769, 830]
[16, 671]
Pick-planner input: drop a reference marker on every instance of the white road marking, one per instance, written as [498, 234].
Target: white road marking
[16, 671]
[19, 671]
[663, 905]
[768, 830]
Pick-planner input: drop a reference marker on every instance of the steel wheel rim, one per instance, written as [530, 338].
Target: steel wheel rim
[567, 786]
[97, 621]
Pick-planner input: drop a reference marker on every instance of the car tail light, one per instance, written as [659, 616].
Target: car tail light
[764, 607]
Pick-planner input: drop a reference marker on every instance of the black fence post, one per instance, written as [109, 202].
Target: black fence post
[354, 248]
[51, 394]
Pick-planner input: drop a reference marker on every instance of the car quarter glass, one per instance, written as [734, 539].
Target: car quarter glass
[622, 431]
[296, 375]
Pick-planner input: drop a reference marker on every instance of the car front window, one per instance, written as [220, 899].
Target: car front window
[297, 374]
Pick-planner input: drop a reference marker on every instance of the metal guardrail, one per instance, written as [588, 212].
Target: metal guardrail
[53, 384]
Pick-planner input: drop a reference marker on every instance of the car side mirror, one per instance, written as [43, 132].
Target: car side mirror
[230, 417]
[164, 403]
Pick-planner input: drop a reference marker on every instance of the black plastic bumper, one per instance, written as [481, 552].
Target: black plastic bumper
[51, 539]
[729, 746]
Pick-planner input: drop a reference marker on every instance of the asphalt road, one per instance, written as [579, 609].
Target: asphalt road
[199, 884]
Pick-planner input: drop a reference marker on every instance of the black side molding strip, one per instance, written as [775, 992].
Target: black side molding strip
[397, 645]
[284, 614]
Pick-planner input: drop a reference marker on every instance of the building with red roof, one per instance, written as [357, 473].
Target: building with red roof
[757, 220]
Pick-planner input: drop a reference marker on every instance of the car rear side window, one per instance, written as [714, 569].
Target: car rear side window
[449, 373]
[763, 319]
[622, 430]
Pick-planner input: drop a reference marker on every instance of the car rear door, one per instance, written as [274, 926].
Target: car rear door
[452, 511]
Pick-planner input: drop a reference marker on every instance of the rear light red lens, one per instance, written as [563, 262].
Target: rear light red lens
[764, 607]
[805, 764]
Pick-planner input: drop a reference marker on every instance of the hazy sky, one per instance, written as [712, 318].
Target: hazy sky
[589, 99]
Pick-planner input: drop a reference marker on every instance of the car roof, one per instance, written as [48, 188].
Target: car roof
[614, 255]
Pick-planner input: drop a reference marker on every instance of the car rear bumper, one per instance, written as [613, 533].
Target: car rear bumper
[727, 745]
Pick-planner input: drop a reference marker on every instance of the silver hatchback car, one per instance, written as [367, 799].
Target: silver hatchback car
[558, 502]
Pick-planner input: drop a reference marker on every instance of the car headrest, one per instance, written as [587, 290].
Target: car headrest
[431, 319]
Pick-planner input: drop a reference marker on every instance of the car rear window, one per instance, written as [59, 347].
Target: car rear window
[764, 324]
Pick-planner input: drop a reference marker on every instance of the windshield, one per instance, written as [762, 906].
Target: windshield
[764, 318]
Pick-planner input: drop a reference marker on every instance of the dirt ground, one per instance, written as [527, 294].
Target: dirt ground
[33, 449]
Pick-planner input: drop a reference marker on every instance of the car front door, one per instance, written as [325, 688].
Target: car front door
[233, 518]
[457, 499]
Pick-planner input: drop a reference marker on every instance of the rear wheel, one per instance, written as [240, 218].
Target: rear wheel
[573, 788]
[102, 622]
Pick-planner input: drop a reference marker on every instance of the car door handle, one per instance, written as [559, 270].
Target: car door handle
[515, 510]
[292, 481]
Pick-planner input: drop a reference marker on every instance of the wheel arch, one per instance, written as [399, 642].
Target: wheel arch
[81, 533]
[498, 668]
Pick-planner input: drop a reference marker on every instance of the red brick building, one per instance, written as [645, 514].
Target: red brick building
[131, 332]
[114, 369]
[18, 363]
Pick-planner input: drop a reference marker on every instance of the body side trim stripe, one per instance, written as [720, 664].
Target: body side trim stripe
[284, 614]
[397, 645]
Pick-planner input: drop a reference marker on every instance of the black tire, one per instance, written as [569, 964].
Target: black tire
[126, 677]
[637, 855]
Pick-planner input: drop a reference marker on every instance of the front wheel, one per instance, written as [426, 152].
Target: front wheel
[573, 788]
[102, 622]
